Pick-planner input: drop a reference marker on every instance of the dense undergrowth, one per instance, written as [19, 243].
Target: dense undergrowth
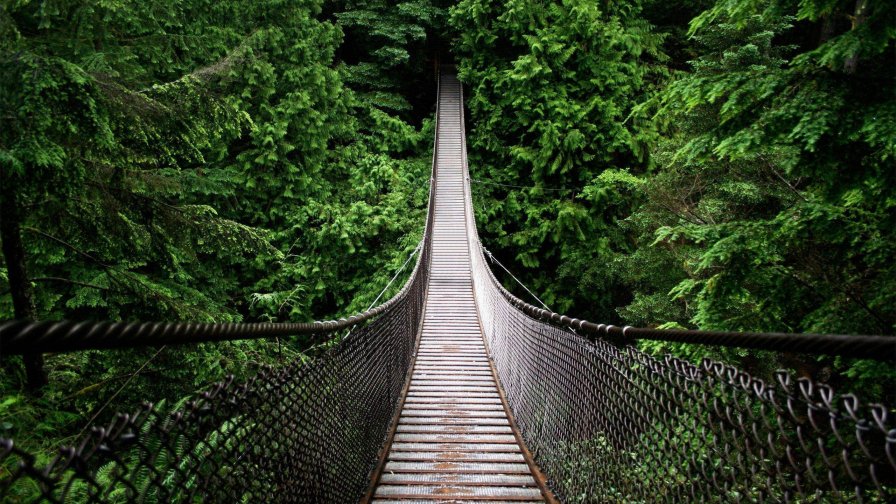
[714, 165]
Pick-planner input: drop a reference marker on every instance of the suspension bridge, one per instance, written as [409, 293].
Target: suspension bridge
[454, 390]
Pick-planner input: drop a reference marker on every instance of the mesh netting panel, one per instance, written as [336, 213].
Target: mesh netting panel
[610, 423]
[304, 433]
[308, 432]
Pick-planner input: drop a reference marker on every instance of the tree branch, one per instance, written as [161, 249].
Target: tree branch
[73, 282]
[67, 245]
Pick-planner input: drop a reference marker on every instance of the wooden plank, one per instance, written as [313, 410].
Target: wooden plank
[453, 441]
[457, 405]
[456, 456]
[455, 438]
[456, 491]
[453, 499]
[453, 412]
[458, 479]
[453, 429]
[410, 420]
[456, 467]
[466, 447]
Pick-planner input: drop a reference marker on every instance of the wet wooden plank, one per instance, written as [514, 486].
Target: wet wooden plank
[456, 467]
[452, 412]
[483, 393]
[483, 447]
[445, 501]
[454, 491]
[455, 438]
[453, 400]
[519, 480]
[451, 420]
[452, 388]
[457, 456]
[409, 428]
[457, 405]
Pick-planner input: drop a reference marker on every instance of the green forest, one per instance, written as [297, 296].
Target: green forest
[714, 164]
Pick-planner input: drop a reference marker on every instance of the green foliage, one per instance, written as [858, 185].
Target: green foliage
[551, 86]
[774, 206]
[387, 50]
[744, 184]
[201, 161]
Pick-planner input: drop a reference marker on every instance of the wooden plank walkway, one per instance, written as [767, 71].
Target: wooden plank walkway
[454, 441]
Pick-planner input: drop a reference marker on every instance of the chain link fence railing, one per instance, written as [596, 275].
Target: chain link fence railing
[608, 423]
[309, 432]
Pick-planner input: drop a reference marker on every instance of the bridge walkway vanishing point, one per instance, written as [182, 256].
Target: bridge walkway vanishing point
[454, 439]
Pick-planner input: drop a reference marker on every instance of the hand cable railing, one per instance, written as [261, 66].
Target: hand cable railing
[608, 423]
[308, 432]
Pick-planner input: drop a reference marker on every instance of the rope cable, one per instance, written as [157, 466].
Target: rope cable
[403, 266]
[496, 261]
[122, 387]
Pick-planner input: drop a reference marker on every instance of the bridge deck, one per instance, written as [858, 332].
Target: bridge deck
[453, 441]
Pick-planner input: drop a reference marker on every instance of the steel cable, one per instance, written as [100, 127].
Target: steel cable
[608, 423]
[308, 432]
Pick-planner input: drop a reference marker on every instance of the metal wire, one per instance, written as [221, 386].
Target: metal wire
[397, 273]
[608, 423]
[309, 432]
[495, 260]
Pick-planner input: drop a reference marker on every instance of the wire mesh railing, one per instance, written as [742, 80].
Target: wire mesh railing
[308, 432]
[608, 423]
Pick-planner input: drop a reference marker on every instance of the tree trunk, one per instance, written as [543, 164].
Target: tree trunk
[20, 287]
[858, 19]
[828, 25]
